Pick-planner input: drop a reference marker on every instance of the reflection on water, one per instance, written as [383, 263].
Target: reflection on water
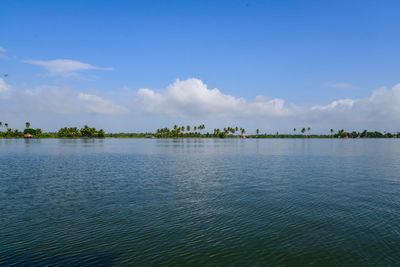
[197, 201]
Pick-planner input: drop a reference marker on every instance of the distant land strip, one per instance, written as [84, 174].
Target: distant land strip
[183, 132]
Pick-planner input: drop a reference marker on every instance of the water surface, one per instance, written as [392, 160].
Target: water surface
[199, 202]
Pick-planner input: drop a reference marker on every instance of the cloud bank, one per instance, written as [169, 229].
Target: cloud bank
[192, 101]
[99, 105]
[192, 97]
[64, 67]
[381, 109]
[67, 101]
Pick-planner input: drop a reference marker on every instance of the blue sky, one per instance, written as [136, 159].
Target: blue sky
[97, 55]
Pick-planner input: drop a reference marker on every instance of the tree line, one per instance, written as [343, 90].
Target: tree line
[184, 132]
[85, 132]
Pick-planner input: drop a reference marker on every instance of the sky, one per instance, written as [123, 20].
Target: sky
[135, 66]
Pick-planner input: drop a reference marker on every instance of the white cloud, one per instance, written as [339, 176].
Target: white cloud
[50, 99]
[191, 97]
[192, 101]
[64, 67]
[380, 110]
[66, 101]
[96, 104]
[5, 89]
[340, 85]
[2, 51]
[342, 104]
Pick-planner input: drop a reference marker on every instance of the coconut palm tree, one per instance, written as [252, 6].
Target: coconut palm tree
[9, 132]
[27, 125]
[294, 131]
[6, 125]
[1, 124]
[195, 128]
[100, 133]
[308, 130]
[86, 131]
[188, 128]
[175, 131]
[201, 127]
[303, 130]
[258, 131]
[332, 132]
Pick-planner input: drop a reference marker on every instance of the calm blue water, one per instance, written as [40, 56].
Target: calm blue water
[199, 202]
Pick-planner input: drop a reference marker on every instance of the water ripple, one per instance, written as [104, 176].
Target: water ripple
[199, 202]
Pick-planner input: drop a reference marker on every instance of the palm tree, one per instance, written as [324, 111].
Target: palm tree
[332, 132]
[27, 125]
[303, 130]
[364, 133]
[258, 131]
[294, 130]
[201, 127]
[308, 130]
[195, 128]
[100, 133]
[188, 128]
[6, 125]
[9, 132]
[1, 124]
[175, 132]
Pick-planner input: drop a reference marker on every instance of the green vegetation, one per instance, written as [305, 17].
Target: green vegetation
[28, 132]
[182, 132]
[72, 132]
[86, 132]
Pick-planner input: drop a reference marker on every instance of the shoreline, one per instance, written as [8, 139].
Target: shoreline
[175, 138]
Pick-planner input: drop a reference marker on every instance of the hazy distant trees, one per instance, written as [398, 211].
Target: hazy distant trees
[180, 131]
[86, 131]
[10, 133]
[187, 131]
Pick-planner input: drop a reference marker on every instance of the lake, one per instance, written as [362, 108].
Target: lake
[150, 202]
